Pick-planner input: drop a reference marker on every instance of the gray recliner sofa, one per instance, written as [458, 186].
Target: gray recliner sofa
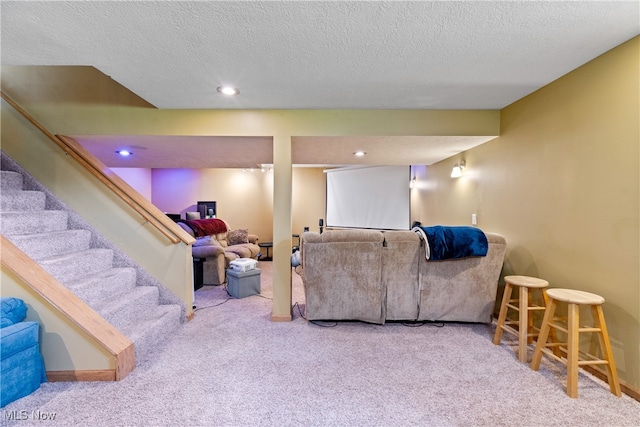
[218, 250]
[375, 276]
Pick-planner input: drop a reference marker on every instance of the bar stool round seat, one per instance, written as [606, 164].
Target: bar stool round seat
[526, 281]
[574, 358]
[525, 331]
[574, 296]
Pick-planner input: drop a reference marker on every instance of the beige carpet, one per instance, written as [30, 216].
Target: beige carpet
[232, 366]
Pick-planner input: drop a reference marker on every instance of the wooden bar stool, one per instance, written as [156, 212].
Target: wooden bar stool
[525, 332]
[574, 357]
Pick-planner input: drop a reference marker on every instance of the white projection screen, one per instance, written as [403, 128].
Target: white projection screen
[369, 197]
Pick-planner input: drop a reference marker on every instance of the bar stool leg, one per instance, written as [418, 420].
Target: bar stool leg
[607, 353]
[506, 296]
[573, 344]
[523, 323]
[530, 318]
[544, 333]
[552, 331]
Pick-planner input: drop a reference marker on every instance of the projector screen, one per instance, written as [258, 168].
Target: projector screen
[369, 197]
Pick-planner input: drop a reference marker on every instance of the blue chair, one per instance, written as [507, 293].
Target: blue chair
[22, 369]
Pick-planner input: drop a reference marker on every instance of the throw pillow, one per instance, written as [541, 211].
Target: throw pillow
[237, 237]
[14, 310]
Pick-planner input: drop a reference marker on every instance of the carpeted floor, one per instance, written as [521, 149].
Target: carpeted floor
[232, 366]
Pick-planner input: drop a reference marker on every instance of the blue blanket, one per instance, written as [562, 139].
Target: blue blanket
[453, 242]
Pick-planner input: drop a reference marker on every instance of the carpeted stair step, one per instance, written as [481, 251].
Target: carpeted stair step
[22, 201]
[75, 265]
[103, 285]
[150, 331]
[10, 181]
[33, 222]
[43, 245]
[128, 308]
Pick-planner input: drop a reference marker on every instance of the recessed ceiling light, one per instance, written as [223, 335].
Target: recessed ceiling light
[359, 153]
[124, 153]
[228, 90]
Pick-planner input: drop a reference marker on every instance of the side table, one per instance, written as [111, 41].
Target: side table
[267, 246]
[198, 273]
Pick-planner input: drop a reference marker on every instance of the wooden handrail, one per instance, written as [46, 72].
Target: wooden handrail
[69, 305]
[142, 206]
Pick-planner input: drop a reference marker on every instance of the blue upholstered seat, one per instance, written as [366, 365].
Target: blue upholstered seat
[22, 367]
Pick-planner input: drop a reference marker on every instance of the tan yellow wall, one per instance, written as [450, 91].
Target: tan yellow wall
[309, 195]
[562, 185]
[243, 198]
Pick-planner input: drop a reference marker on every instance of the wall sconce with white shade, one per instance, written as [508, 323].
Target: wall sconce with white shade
[412, 183]
[456, 172]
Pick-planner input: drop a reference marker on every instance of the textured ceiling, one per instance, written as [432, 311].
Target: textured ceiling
[320, 55]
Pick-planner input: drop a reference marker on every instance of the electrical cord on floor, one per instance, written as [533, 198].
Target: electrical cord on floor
[419, 323]
[299, 310]
[210, 306]
[315, 322]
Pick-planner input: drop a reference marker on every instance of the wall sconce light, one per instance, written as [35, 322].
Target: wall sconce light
[412, 183]
[456, 172]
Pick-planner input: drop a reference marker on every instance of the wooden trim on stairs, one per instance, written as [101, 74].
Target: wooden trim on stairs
[68, 304]
[92, 375]
[142, 206]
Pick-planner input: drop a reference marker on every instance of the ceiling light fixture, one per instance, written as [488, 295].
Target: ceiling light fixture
[266, 168]
[359, 153]
[124, 153]
[228, 90]
[456, 172]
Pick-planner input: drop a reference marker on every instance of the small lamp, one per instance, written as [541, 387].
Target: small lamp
[456, 172]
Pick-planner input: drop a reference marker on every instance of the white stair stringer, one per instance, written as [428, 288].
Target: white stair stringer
[108, 281]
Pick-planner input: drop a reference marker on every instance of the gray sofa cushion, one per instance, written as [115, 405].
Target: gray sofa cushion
[342, 275]
[375, 276]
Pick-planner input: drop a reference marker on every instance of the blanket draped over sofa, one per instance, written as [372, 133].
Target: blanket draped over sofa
[446, 242]
[206, 227]
[377, 276]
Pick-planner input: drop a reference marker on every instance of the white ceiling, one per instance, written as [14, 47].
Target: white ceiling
[321, 54]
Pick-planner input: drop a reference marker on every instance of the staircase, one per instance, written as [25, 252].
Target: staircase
[98, 273]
